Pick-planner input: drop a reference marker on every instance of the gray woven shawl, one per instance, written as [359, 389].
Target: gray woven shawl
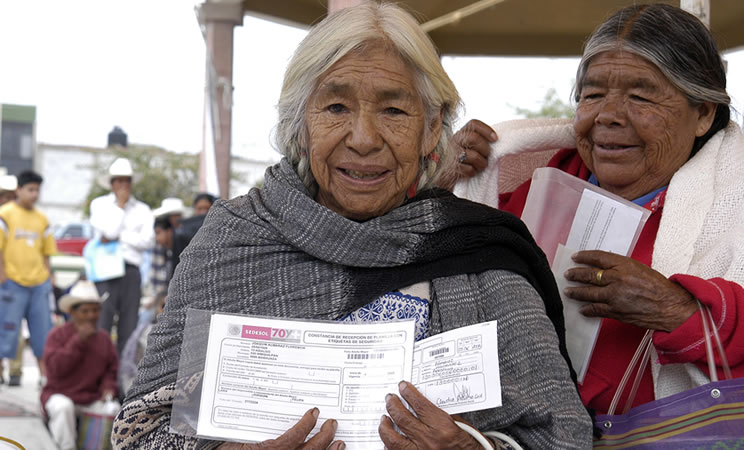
[276, 252]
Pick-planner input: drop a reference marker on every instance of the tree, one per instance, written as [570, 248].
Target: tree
[158, 174]
[552, 106]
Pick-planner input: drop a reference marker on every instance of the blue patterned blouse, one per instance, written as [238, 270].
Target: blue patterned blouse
[392, 306]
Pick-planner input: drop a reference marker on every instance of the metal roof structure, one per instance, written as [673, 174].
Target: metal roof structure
[509, 27]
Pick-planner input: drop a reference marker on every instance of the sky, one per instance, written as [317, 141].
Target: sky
[90, 65]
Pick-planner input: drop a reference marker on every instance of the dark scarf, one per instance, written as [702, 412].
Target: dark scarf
[277, 252]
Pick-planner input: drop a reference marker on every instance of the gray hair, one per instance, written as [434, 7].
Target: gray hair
[349, 30]
[677, 43]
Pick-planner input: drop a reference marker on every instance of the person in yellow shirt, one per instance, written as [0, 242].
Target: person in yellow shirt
[26, 242]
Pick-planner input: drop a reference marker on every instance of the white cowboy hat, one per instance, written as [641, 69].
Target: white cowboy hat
[8, 183]
[168, 207]
[121, 167]
[83, 291]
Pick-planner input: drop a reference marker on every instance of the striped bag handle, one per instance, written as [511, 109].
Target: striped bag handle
[641, 358]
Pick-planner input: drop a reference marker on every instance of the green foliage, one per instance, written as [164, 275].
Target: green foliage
[552, 106]
[158, 174]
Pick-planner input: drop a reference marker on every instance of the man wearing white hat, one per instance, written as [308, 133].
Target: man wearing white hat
[81, 363]
[120, 217]
[8, 186]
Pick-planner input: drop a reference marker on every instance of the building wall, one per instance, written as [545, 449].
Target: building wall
[17, 131]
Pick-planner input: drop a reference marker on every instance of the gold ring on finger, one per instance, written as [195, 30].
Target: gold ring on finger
[598, 276]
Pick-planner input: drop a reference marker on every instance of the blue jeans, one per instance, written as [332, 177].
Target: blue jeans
[18, 302]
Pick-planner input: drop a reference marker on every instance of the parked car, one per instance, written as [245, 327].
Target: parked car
[71, 238]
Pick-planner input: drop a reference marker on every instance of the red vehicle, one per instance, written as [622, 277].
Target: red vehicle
[72, 238]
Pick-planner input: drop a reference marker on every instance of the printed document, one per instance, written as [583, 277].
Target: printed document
[581, 331]
[603, 223]
[600, 223]
[459, 370]
[261, 375]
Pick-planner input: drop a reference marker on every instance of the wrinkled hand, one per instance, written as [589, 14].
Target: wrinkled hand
[629, 291]
[294, 438]
[433, 428]
[472, 145]
[86, 330]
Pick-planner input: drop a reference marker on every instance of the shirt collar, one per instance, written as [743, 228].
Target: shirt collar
[129, 203]
[643, 200]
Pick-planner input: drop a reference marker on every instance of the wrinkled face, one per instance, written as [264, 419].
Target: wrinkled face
[201, 207]
[86, 312]
[634, 129]
[367, 132]
[28, 194]
[122, 187]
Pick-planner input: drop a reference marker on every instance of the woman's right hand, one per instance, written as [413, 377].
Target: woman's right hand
[472, 144]
[294, 438]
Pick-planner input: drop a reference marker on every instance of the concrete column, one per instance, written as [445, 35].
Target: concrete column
[699, 8]
[218, 21]
[336, 5]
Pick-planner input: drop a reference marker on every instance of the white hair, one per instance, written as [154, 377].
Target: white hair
[352, 29]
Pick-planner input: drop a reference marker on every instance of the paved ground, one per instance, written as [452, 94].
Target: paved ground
[20, 409]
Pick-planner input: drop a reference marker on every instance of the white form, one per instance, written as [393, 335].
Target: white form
[261, 375]
[581, 331]
[600, 223]
[459, 370]
[603, 223]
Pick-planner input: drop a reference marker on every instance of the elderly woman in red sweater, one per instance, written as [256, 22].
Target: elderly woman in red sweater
[81, 365]
[652, 126]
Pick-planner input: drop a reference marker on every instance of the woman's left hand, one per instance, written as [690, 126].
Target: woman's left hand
[433, 428]
[621, 288]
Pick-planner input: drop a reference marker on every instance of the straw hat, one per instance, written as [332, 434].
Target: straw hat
[168, 207]
[83, 291]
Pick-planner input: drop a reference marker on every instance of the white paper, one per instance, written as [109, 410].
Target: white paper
[602, 223]
[581, 331]
[459, 370]
[261, 376]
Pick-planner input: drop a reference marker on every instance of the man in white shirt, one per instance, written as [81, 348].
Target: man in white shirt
[120, 217]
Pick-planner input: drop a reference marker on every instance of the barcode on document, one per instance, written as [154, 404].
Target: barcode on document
[365, 356]
[439, 351]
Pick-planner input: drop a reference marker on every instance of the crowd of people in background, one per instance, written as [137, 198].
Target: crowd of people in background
[88, 361]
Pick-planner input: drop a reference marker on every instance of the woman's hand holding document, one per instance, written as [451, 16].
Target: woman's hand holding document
[601, 221]
[261, 376]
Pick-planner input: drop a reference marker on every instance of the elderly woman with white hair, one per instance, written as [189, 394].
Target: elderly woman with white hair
[349, 216]
[652, 126]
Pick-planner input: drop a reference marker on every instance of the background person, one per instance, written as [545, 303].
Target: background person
[349, 218]
[82, 362]
[120, 217]
[8, 186]
[202, 202]
[652, 125]
[167, 219]
[26, 242]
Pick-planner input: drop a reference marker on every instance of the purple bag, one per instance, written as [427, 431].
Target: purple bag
[707, 417]
[94, 431]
